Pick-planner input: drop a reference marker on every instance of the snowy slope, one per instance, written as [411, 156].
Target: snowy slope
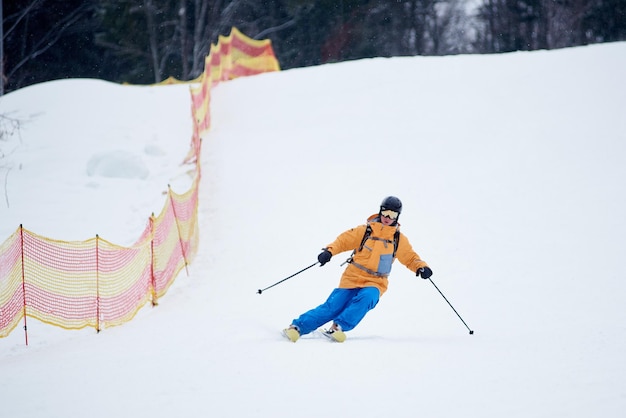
[511, 169]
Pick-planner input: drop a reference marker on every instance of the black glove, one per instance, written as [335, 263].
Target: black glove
[426, 272]
[324, 257]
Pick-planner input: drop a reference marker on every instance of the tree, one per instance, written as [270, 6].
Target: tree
[410, 27]
[40, 35]
[173, 38]
[511, 25]
[134, 36]
[605, 21]
[146, 41]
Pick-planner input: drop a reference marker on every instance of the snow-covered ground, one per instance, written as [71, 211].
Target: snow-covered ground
[512, 173]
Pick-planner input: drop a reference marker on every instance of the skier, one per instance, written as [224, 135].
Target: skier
[375, 247]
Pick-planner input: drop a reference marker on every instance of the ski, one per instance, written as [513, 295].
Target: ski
[293, 335]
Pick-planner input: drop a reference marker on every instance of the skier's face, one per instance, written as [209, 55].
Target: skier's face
[385, 220]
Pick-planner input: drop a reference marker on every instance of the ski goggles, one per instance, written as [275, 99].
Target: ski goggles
[390, 214]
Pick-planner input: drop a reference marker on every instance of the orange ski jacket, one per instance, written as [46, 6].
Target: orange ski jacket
[372, 264]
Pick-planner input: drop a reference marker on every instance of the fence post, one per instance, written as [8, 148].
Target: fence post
[180, 239]
[97, 285]
[23, 283]
[152, 278]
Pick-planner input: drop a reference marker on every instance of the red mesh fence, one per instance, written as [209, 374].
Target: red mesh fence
[96, 283]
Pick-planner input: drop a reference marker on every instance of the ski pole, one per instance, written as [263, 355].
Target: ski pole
[287, 278]
[457, 314]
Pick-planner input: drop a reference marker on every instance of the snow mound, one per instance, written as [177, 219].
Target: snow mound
[117, 164]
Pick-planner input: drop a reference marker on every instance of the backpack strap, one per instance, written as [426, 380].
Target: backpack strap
[396, 241]
[367, 235]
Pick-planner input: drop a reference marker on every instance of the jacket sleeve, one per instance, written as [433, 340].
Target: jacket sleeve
[407, 256]
[347, 241]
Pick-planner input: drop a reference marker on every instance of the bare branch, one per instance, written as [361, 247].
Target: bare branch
[8, 127]
[273, 29]
[49, 39]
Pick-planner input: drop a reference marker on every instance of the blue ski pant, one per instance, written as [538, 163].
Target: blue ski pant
[346, 307]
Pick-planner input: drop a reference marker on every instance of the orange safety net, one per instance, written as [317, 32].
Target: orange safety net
[95, 283]
[234, 56]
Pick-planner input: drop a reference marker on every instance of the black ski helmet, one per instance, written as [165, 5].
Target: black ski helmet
[391, 203]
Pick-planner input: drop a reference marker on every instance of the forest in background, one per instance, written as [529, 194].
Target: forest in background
[147, 41]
